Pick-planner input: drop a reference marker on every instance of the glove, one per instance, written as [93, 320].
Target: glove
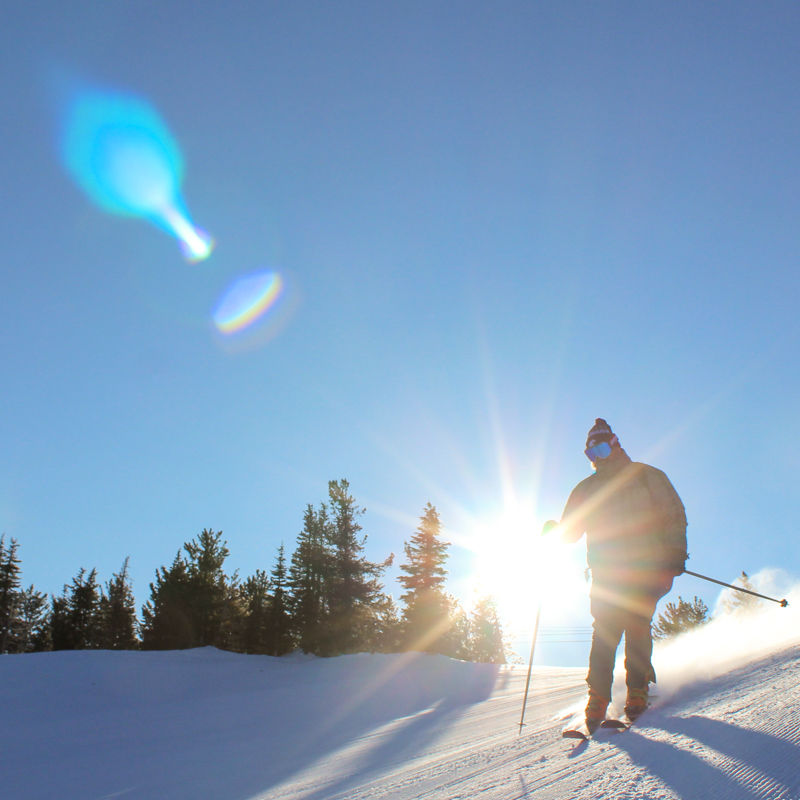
[675, 562]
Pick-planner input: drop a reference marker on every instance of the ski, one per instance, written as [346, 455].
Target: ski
[616, 723]
[622, 723]
[581, 730]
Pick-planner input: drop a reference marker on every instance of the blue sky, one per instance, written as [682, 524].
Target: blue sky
[501, 221]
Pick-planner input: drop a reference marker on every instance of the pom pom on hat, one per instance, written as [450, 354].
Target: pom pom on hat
[601, 432]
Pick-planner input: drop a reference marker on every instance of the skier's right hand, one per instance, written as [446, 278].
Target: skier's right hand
[549, 526]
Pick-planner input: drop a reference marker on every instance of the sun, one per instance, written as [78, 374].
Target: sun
[519, 567]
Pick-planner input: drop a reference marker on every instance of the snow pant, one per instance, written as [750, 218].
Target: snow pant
[624, 607]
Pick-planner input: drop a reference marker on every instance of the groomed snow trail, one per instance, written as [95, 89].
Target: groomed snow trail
[208, 725]
[734, 738]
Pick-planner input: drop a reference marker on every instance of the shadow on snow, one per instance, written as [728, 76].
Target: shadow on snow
[205, 724]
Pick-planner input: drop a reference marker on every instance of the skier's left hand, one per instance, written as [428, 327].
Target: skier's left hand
[675, 562]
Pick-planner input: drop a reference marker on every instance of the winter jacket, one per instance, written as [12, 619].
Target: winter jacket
[632, 516]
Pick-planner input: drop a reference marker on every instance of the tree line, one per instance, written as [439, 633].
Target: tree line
[326, 599]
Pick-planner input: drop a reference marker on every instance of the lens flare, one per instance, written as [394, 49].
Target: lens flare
[120, 152]
[247, 300]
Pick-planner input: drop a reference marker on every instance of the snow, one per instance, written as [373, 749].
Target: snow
[208, 725]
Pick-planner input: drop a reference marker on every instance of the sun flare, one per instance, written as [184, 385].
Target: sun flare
[518, 566]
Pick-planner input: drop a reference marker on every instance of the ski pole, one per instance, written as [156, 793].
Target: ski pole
[546, 528]
[781, 603]
[530, 667]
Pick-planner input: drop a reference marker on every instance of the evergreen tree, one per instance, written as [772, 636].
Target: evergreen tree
[194, 603]
[75, 616]
[256, 600]
[739, 602]
[427, 616]
[456, 642]
[354, 589]
[167, 617]
[32, 622]
[118, 613]
[23, 613]
[60, 635]
[216, 611]
[680, 617]
[85, 610]
[386, 633]
[280, 621]
[9, 593]
[309, 575]
[486, 633]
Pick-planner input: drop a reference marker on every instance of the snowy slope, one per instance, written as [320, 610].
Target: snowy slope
[205, 725]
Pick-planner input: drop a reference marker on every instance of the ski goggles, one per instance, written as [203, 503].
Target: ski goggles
[602, 450]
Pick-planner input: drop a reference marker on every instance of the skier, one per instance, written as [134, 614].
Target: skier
[635, 527]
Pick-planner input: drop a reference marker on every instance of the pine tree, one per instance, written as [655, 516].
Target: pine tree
[256, 601]
[309, 575]
[33, 622]
[739, 602]
[75, 620]
[59, 634]
[85, 610]
[386, 633]
[24, 614]
[680, 617]
[280, 621]
[194, 603]
[354, 588]
[486, 633]
[214, 602]
[167, 617]
[118, 613]
[456, 641]
[427, 616]
[9, 593]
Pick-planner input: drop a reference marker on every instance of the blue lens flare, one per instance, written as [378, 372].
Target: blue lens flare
[254, 308]
[121, 153]
[246, 300]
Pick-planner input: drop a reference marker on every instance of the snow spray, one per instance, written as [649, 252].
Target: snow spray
[734, 636]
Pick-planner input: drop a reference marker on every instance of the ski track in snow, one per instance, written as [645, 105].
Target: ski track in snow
[208, 725]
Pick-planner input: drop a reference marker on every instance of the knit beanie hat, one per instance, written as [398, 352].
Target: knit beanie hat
[601, 432]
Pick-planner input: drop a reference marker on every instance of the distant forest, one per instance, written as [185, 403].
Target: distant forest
[326, 599]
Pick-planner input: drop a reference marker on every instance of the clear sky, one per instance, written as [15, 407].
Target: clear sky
[501, 220]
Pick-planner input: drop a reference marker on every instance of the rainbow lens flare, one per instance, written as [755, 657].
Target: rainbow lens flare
[247, 300]
[120, 152]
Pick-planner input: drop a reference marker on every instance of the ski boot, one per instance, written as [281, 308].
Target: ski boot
[595, 710]
[636, 703]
